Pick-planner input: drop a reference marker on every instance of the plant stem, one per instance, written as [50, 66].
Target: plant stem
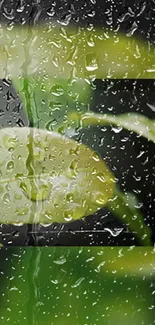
[28, 101]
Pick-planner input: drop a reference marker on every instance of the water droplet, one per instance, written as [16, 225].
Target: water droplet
[78, 282]
[132, 29]
[91, 13]
[14, 289]
[99, 267]
[8, 187]
[10, 165]
[68, 215]
[74, 151]
[36, 189]
[6, 198]
[90, 41]
[54, 281]
[96, 156]
[65, 20]
[57, 90]
[141, 154]
[11, 149]
[60, 261]
[117, 129]
[2, 112]
[100, 199]
[114, 232]
[9, 142]
[94, 171]
[101, 177]
[48, 215]
[50, 12]
[21, 211]
[50, 125]
[138, 205]
[20, 8]
[151, 70]
[152, 107]
[91, 62]
[8, 12]
[70, 197]
[73, 169]
[137, 178]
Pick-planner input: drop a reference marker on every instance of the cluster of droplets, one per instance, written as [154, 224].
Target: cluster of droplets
[76, 283]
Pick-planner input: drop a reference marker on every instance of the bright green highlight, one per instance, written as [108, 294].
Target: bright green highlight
[77, 285]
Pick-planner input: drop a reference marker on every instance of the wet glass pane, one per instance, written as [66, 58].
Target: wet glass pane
[128, 167]
[77, 123]
[81, 285]
[77, 143]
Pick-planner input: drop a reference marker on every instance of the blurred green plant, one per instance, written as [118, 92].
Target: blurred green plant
[53, 285]
[48, 101]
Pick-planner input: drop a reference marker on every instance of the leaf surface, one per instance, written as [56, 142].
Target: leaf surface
[46, 177]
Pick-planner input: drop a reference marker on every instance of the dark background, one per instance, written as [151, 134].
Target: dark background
[114, 96]
[119, 15]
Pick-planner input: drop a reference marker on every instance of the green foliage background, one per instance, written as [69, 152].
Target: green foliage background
[77, 285]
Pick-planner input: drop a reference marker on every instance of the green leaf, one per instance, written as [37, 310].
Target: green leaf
[46, 177]
[137, 123]
[48, 101]
[65, 52]
[126, 208]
